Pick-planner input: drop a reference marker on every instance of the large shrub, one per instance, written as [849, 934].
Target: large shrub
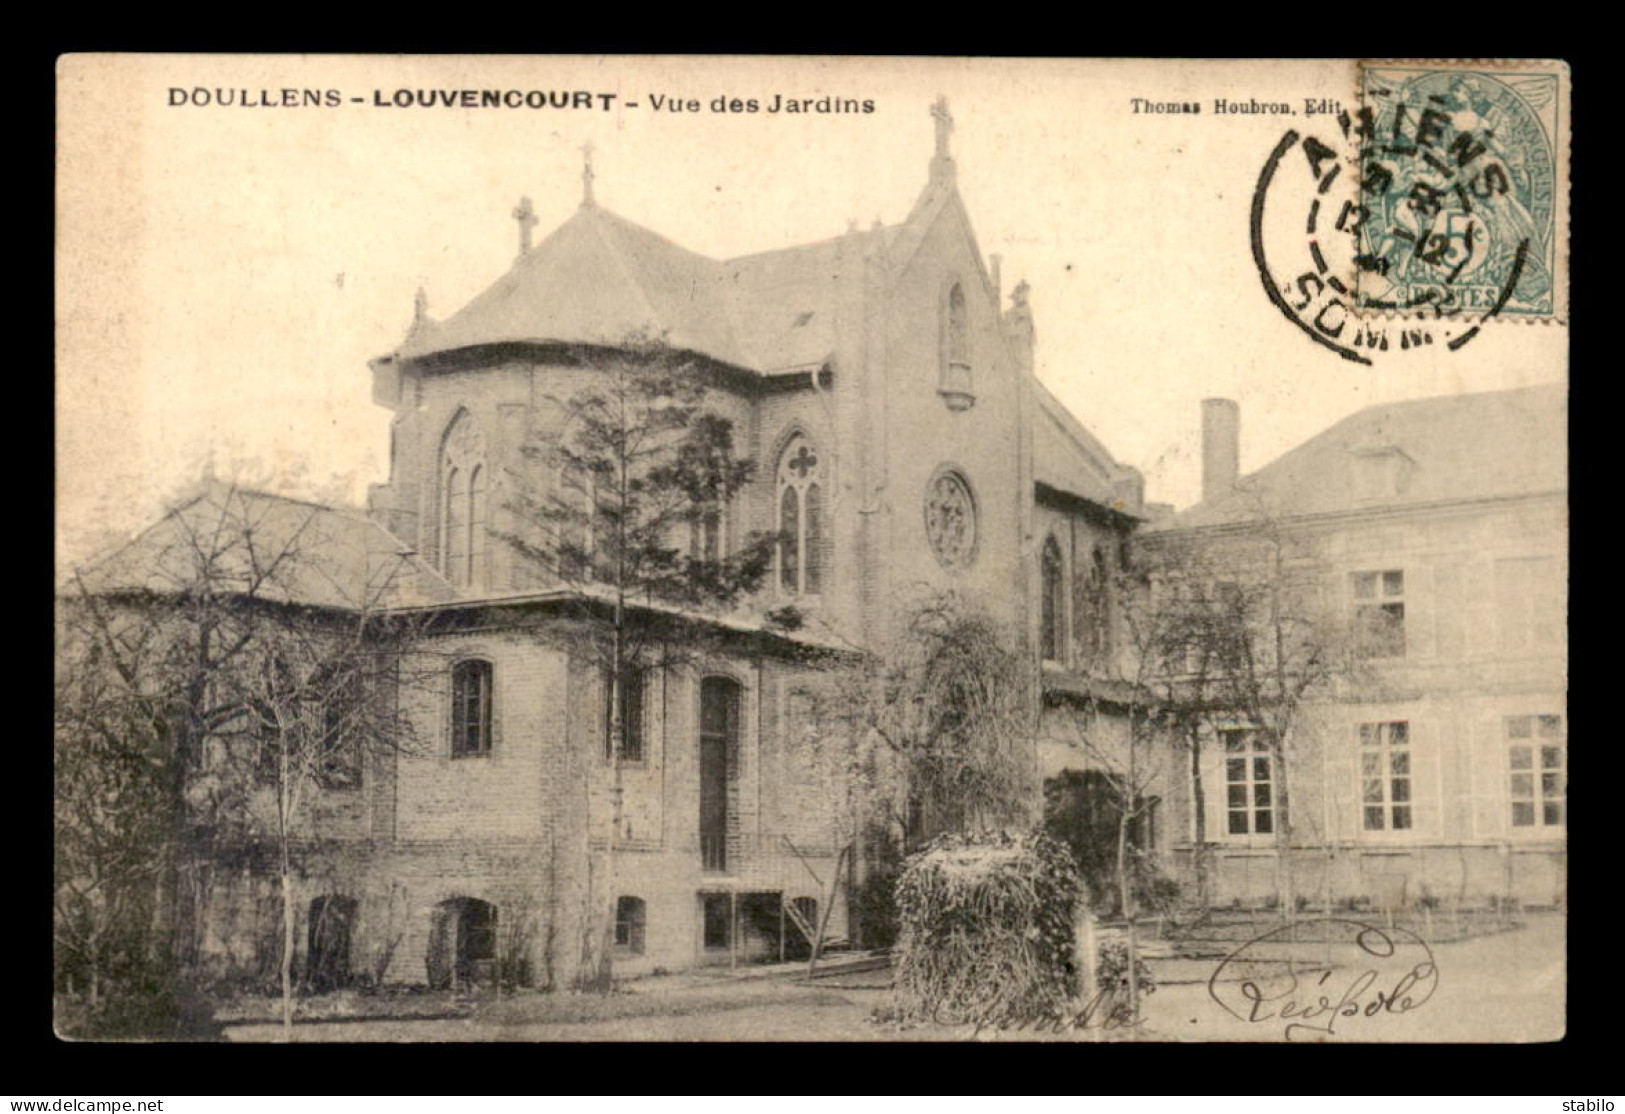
[986, 930]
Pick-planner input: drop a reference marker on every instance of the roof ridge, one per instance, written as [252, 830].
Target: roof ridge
[600, 212]
[620, 260]
[1458, 396]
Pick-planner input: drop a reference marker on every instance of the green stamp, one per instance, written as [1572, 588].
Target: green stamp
[1462, 181]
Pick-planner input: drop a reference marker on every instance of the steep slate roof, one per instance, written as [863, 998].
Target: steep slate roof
[596, 279]
[1454, 448]
[273, 547]
[600, 277]
[782, 304]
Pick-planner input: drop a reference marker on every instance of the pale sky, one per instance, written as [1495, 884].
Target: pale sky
[226, 273]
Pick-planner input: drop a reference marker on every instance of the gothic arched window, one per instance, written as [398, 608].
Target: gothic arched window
[1091, 612]
[801, 519]
[1052, 600]
[462, 503]
[955, 385]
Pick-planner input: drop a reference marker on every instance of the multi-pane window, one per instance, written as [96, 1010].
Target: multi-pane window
[576, 504]
[470, 708]
[708, 536]
[1094, 616]
[630, 923]
[1539, 772]
[338, 755]
[801, 519]
[1385, 776]
[1379, 613]
[1249, 782]
[631, 701]
[1052, 599]
[276, 701]
[719, 744]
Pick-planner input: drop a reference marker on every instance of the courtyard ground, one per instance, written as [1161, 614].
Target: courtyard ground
[1509, 986]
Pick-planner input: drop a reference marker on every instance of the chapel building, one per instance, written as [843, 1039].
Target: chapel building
[884, 384]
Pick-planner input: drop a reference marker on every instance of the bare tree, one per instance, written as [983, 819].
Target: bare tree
[1122, 713]
[934, 732]
[1255, 645]
[626, 499]
[240, 644]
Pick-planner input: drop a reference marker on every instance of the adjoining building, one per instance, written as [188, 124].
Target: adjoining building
[1435, 769]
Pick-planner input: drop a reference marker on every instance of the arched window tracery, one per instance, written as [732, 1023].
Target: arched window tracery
[801, 519]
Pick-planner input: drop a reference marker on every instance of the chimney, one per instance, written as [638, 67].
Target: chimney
[1221, 445]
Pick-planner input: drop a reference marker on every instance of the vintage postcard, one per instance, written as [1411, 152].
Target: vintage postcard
[809, 548]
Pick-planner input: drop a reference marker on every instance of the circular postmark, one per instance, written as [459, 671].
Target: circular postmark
[1413, 220]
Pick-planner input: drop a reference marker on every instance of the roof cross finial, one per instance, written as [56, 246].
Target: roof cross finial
[945, 124]
[526, 216]
[587, 176]
[942, 163]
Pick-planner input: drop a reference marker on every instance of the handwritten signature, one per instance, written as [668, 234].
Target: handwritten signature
[1106, 1010]
[1380, 972]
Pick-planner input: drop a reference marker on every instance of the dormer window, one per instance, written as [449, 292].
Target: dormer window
[1380, 473]
[955, 382]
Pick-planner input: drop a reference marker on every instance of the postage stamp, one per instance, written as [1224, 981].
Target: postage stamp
[1462, 190]
[1437, 204]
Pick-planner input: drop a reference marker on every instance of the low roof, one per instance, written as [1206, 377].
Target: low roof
[270, 547]
[1069, 458]
[1496, 444]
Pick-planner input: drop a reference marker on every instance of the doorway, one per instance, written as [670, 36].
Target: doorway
[332, 923]
[463, 944]
[719, 740]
